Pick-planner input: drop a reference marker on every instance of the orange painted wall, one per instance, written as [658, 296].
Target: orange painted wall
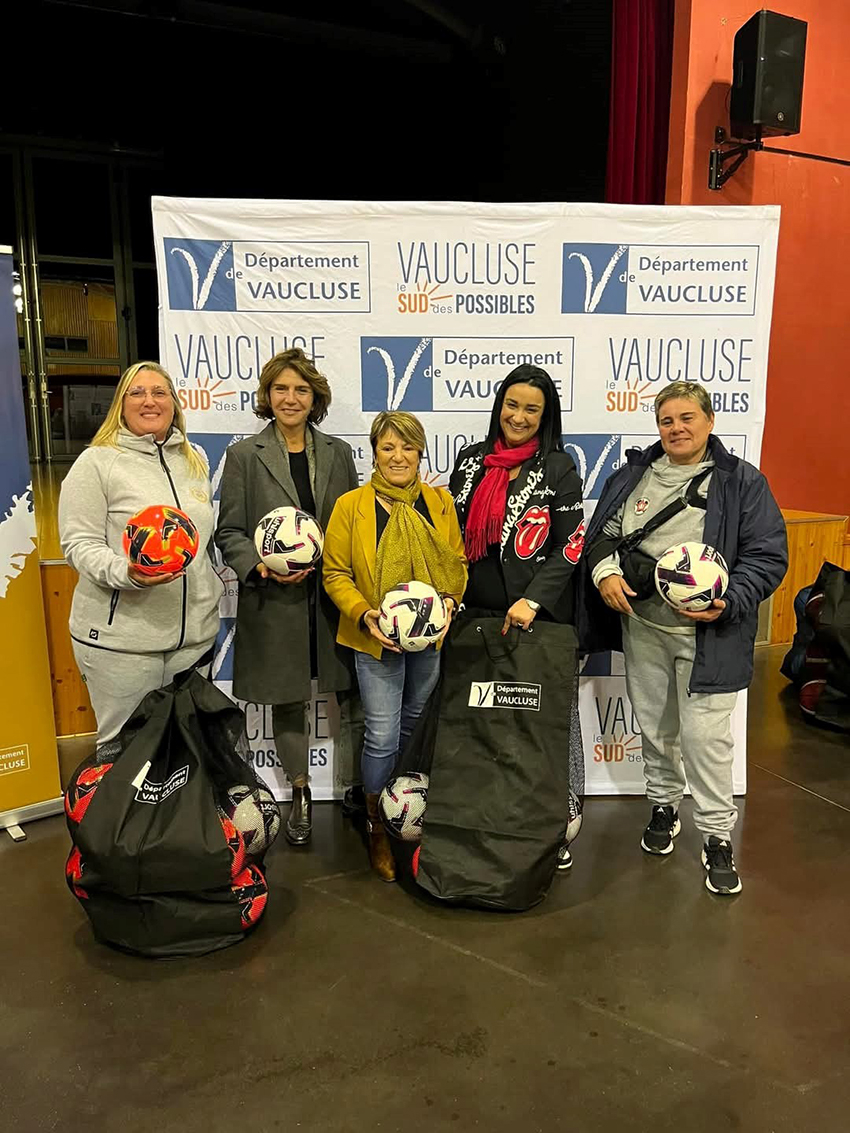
[806, 450]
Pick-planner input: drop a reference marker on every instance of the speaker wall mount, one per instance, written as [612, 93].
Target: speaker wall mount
[738, 152]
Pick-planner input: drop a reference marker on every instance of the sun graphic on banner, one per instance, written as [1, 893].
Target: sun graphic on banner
[625, 747]
[630, 398]
[203, 394]
[422, 299]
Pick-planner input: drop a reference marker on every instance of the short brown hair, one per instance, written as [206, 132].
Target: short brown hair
[294, 359]
[408, 427]
[690, 390]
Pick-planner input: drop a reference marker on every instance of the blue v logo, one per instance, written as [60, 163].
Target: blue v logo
[593, 279]
[200, 275]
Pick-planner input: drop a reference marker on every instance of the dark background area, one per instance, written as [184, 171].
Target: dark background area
[388, 99]
[108, 102]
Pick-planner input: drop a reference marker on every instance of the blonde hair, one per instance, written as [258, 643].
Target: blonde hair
[689, 390]
[408, 427]
[294, 359]
[107, 434]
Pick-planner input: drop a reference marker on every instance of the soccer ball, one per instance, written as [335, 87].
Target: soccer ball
[235, 843]
[81, 790]
[255, 814]
[160, 540]
[288, 540]
[810, 694]
[413, 616]
[690, 576]
[74, 873]
[402, 806]
[575, 816]
[252, 893]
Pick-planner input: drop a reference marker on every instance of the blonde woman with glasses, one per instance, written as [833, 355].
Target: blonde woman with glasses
[132, 633]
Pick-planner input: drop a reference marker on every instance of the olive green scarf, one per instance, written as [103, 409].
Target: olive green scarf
[410, 548]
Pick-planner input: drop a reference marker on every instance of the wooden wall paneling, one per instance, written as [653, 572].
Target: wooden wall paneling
[812, 540]
[103, 339]
[71, 705]
[65, 309]
[101, 303]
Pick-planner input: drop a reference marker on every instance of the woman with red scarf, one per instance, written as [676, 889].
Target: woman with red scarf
[518, 498]
[519, 501]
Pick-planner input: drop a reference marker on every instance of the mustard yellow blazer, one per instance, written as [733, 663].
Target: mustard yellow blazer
[348, 563]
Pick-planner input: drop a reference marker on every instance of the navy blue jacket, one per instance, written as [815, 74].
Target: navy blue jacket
[743, 522]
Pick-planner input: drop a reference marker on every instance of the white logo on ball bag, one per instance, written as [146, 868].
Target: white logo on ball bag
[153, 793]
[504, 694]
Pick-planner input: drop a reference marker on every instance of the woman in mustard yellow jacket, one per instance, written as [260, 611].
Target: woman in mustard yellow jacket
[392, 530]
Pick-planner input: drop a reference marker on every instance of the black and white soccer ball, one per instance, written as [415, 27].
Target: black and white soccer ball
[689, 576]
[402, 806]
[255, 814]
[288, 540]
[574, 819]
[413, 615]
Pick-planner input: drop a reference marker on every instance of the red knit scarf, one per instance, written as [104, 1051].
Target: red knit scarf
[487, 510]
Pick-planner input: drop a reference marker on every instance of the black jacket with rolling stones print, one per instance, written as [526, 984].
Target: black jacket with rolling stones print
[543, 533]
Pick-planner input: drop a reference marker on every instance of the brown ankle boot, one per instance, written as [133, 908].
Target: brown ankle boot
[380, 851]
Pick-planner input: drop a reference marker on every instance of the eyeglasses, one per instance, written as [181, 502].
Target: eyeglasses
[157, 393]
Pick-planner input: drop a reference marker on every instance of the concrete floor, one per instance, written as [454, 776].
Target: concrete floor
[630, 1000]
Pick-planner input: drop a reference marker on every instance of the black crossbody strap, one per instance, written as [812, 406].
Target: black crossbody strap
[690, 498]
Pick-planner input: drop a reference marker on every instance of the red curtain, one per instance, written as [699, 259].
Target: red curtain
[641, 66]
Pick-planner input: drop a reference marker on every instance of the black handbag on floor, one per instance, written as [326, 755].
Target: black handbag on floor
[501, 743]
[170, 824]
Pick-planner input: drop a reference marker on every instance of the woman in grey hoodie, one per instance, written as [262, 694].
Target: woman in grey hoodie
[132, 633]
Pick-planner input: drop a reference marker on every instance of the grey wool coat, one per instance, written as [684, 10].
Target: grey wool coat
[271, 660]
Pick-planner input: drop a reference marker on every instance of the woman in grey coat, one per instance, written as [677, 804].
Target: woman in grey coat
[285, 625]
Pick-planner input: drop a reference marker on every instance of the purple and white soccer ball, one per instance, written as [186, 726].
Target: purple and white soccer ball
[413, 615]
[690, 576]
[288, 540]
[402, 805]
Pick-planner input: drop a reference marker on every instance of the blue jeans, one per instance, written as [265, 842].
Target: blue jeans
[394, 691]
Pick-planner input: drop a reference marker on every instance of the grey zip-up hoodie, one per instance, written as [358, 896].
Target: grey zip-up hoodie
[104, 488]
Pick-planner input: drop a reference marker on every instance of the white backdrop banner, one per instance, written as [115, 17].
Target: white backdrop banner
[427, 307]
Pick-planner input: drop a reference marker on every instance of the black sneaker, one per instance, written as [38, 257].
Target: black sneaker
[565, 859]
[722, 877]
[663, 828]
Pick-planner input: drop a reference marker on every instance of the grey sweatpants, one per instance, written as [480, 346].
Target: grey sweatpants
[119, 682]
[682, 733]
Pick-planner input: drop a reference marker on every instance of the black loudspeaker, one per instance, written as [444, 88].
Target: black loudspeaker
[767, 81]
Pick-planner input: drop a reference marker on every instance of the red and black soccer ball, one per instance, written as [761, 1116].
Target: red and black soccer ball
[81, 790]
[810, 695]
[252, 893]
[74, 874]
[235, 842]
[160, 540]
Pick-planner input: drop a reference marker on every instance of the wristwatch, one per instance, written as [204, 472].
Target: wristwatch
[534, 605]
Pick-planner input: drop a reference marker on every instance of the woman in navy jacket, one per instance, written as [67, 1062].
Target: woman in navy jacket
[683, 670]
